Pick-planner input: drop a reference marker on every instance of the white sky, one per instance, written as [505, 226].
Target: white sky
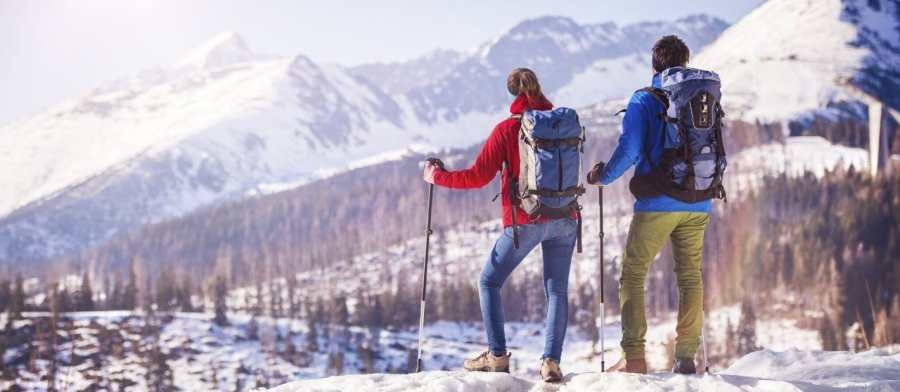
[53, 50]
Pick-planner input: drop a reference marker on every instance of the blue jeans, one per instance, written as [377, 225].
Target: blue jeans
[557, 239]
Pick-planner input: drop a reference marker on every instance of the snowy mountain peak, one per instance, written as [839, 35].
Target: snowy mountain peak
[224, 49]
[785, 58]
[546, 23]
[561, 31]
[228, 121]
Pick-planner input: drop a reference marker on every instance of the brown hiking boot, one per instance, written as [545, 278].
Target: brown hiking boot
[635, 365]
[684, 366]
[550, 371]
[487, 362]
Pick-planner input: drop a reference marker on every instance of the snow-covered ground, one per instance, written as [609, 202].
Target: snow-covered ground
[113, 349]
[766, 370]
[798, 155]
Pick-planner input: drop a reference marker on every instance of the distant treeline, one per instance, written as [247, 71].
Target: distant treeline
[819, 250]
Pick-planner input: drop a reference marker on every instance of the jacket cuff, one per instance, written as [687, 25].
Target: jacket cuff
[438, 176]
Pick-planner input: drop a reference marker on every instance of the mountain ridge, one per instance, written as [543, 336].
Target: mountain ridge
[224, 123]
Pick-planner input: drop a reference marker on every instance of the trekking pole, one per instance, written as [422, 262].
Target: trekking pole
[602, 304]
[703, 336]
[438, 163]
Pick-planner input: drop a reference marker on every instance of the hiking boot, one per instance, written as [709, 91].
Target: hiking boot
[636, 365]
[550, 371]
[487, 362]
[684, 366]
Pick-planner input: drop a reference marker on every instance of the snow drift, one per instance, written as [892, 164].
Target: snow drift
[792, 370]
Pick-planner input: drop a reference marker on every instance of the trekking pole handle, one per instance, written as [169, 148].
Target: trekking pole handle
[435, 162]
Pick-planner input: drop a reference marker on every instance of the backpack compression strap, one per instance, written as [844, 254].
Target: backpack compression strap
[575, 191]
[511, 183]
[553, 143]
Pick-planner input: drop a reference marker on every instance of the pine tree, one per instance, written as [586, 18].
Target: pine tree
[184, 295]
[148, 296]
[220, 293]
[730, 339]
[292, 300]
[341, 319]
[336, 362]
[50, 342]
[746, 330]
[3, 370]
[85, 298]
[114, 300]
[165, 290]
[17, 300]
[64, 301]
[590, 328]
[290, 350]
[159, 375]
[129, 296]
[253, 329]
[312, 339]
[5, 295]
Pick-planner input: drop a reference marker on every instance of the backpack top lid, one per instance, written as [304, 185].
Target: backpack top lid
[559, 123]
[682, 84]
[677, 75]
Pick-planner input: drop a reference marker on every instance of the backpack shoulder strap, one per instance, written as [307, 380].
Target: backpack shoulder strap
[512, 188]
[657, 93]
[660, 96]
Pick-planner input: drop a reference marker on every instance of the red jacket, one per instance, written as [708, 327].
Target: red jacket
[501, 146]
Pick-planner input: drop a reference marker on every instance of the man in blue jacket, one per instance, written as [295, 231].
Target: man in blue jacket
[656, 219]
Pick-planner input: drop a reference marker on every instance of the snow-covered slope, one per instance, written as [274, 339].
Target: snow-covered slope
[151, 149]
[760, 371]
[796, 156]
[788, 58]
[226, 122]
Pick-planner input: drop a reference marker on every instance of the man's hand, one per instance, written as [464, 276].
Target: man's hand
[432, 165]
[593, 176]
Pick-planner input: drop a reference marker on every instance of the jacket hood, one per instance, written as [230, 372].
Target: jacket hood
[523, 103]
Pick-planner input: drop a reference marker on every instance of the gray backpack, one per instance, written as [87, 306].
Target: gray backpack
[551, 145]
[692, 164]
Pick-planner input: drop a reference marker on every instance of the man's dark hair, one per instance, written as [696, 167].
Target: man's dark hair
[670, 51]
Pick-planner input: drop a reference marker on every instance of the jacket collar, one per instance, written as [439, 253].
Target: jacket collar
[523, 103]
[656, 82]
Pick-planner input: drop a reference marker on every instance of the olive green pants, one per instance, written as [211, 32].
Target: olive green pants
[648, 233]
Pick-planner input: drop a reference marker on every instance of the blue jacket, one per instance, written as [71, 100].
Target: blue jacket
[640, 127]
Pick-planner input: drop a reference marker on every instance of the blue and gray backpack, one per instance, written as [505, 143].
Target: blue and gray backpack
[693, 160]
[551, 145]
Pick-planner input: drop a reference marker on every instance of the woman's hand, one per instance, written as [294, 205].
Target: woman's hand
[432, 165]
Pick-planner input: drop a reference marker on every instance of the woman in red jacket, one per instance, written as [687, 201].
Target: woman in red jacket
[556, 237]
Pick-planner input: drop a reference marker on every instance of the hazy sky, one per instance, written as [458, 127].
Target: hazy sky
[53, 50]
